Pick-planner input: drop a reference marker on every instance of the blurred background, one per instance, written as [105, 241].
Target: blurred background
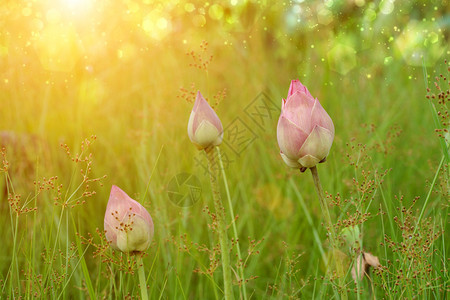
[125, 71]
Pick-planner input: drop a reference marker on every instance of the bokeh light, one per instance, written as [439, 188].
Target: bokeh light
[342, 58]
[386, 6]
[421, 43]
[324, 16]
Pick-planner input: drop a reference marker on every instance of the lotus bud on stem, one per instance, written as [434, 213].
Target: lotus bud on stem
[129, 229]
[305, 133]
[205, 131]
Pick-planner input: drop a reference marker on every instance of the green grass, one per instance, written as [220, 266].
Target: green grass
[124, 88]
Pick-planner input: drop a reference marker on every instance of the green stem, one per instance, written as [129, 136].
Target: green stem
[323, 204]
[142, 281]
[429, 194]
[330, 232]
[221, 224]
[14, 264]
[230, 205]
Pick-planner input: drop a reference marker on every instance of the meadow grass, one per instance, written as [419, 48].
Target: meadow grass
[119, 117]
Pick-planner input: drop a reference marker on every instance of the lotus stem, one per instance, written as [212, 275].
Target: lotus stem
[221, 223]
[230, 206]
[142, 280]
[330, 232]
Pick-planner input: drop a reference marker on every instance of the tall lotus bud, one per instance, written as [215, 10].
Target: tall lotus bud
[128, 225]
[204, 127]
[305, 131]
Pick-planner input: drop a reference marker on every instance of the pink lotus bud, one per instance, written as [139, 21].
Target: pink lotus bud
[305, 131]
[128, 225]
[204, 127]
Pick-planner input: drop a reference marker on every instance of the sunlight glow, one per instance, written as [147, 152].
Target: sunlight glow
[77, 6]
[58, 48]
[156, 26]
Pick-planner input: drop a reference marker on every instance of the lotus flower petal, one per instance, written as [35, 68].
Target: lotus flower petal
[290, 138]
[309, 161]
[298, 109]
[207, 135]
[317, 145]
[203, 111]
[291, 163]
[295, 86]
[320, 117]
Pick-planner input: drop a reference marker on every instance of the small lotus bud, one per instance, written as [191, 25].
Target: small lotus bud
[305, 131]
[204, 127]
[128, 225]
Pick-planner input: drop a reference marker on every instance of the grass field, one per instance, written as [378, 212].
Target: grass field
[99, 93]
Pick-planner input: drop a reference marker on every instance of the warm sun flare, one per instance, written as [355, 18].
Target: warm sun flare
[77, 5]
